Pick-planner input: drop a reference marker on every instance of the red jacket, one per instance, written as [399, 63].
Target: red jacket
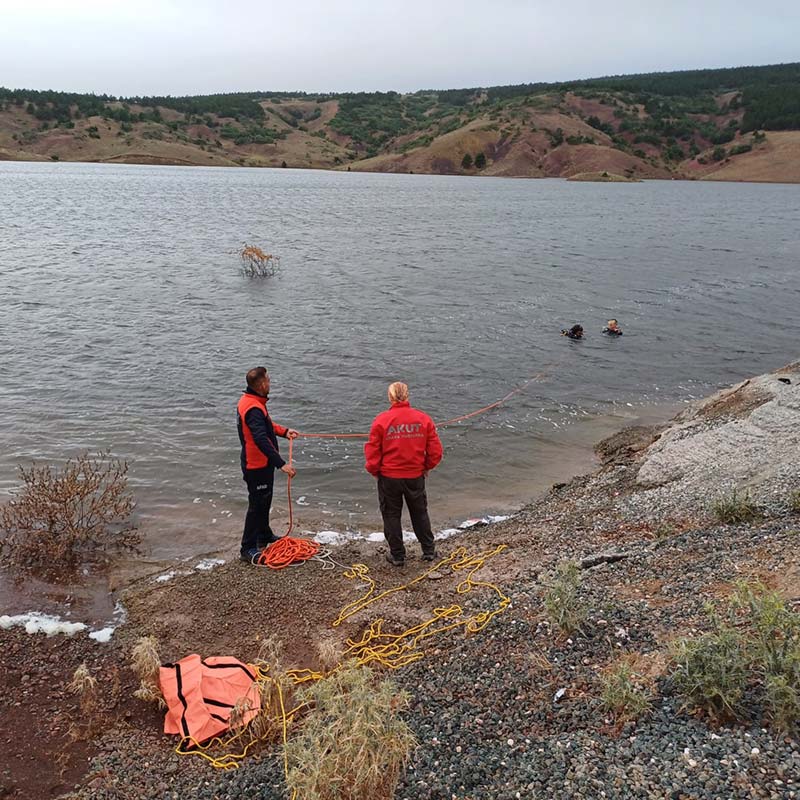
[403, 443]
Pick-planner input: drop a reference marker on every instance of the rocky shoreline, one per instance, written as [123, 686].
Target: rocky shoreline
[513, 711]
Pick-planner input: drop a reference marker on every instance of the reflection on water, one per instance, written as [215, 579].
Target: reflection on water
[126, 324]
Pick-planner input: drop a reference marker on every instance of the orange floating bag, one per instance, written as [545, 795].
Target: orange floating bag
[201, 693]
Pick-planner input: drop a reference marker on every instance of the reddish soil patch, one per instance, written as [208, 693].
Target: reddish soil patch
[37, 711]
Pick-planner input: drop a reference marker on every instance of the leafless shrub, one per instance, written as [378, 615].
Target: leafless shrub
[258, 264]
[61, 516]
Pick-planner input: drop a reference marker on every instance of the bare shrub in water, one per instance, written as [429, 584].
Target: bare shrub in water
[61, 516]
[258, 264]
[146, 662]
[352, 745]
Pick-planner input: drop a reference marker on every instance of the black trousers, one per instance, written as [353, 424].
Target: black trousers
[257, 532]
[391, 493]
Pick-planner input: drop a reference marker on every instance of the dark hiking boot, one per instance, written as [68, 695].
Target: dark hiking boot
[395, 562]
[429, 556]
[250, 556]
[271, 540]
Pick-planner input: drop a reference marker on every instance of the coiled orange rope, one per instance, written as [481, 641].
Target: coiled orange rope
[287, 551]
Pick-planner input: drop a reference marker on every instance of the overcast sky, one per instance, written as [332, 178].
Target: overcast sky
[203, 46]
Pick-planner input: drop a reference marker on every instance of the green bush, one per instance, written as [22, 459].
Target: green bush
[466, 162]
[783, 702]
[774, 630]
[718, 153]
[352, 745]
[755, 646]
[556, 137]
[621, 696]
[711, 671]
[480, 161]
[562, 603]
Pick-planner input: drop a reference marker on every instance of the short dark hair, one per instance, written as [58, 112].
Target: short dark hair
[255, 375]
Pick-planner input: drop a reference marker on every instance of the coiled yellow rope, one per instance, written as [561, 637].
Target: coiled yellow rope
[376, 646]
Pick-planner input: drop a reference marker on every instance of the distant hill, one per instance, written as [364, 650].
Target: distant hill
[741, 123]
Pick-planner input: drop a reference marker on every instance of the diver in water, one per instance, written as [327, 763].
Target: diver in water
[612, 328]
[575, 332]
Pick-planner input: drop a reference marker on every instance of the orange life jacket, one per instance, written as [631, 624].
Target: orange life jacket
[254, 458]
[201, 694]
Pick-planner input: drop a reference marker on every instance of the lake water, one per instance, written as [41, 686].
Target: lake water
[125, 323]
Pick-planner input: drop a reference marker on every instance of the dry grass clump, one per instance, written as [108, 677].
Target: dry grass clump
[352, 745]
[562, 602]
[735, 508]
[753, 649]
[623, 693]
[84, 685]
[276, 691]
[256, 263]
[794, 501]
[61, 516]
[146, 662]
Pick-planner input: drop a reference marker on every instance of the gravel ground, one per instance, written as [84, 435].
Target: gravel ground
[483, 706]
[514, 711]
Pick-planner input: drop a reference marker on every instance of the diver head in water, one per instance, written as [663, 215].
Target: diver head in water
[575, 332]
[612, 328]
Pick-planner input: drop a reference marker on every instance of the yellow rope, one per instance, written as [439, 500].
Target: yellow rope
[376, 646]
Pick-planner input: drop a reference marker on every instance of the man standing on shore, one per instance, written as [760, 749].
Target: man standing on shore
[260, 458]
[403, 447]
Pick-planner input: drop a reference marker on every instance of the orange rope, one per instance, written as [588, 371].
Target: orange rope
[289, 550]
[505, 399]
[286, 551]
[492, 405]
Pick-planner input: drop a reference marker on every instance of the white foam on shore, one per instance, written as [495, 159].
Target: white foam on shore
[209, 563]
[331, 537]
[37, 622]
[103, 635]
[204, 565]
[50, 625]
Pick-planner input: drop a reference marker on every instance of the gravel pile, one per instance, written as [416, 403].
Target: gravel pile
[493, 722]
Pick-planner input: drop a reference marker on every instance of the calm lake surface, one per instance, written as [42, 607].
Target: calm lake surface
[125, 323]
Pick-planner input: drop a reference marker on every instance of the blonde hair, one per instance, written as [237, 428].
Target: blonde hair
[398, 392]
